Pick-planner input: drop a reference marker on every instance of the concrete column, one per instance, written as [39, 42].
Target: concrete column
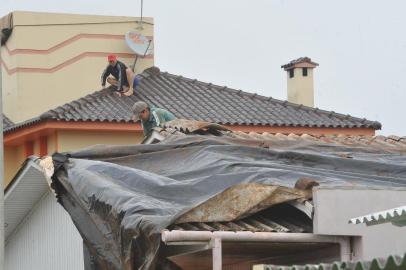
[215, 243]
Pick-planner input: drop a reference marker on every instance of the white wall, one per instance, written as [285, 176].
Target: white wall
[45, 240]
[335, 206]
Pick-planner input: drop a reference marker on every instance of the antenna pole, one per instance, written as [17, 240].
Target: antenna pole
[142, 4]
[140, 27]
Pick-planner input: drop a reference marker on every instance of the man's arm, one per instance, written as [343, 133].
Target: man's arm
[104, 76]
[145, 129]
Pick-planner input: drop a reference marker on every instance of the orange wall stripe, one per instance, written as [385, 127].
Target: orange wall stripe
[68, 62]
[43, 146]
[56, 141]
[45, 128]
[65, 43]
[28, 148]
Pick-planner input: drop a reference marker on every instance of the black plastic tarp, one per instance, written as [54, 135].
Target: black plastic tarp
[121, 197]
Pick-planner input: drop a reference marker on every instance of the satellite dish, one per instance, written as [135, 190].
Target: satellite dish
[138, 43]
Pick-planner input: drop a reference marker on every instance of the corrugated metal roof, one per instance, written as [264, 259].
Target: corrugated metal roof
[193, 99]
[279, 218]
[390, 263]
[397, 216]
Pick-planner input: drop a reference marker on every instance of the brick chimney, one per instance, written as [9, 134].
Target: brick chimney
[300, 81]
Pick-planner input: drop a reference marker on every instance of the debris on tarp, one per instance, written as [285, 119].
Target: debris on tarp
[240, 201]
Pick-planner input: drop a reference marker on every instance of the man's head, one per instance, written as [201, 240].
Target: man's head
[112, 58]
[140, 111]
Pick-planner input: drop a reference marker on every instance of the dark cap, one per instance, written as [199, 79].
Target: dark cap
[137, 109]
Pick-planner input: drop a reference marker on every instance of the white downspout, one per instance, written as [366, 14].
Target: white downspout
[1, 170]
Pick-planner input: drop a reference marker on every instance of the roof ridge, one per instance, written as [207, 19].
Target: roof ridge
[240, 92]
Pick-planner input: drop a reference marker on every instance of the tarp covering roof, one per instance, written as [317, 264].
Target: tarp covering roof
[390, 263]
[121, 197]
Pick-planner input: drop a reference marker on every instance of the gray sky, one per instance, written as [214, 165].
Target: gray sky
[360, 46]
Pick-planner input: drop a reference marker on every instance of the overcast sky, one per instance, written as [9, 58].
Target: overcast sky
[360, 46]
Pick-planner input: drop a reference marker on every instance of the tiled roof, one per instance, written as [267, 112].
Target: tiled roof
[379, 142]
[192, 99]
[280, 218]
[7, 123]
[298, 61]
[391, 263]
[374, 142]
[28, 122]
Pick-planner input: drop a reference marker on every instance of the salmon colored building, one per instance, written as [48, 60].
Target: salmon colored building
[49, 59]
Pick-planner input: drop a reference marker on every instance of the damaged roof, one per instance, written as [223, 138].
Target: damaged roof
[349, 150]
[182, 127]
[193, 99]
[280, 218]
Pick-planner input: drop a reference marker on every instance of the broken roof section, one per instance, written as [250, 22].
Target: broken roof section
[193, 99]
[182, 127]
[283, 218]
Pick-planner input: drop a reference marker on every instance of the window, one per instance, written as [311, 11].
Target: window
[291, 73]
[304, 72]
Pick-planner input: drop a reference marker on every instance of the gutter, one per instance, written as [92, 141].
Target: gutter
[176, 237]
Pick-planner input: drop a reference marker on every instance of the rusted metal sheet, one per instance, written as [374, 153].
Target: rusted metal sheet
[240, 201]
[279, 218]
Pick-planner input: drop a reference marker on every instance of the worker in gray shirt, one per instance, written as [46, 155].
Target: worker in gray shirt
[150, 116]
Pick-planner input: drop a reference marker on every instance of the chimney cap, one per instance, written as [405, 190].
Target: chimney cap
[300, 62]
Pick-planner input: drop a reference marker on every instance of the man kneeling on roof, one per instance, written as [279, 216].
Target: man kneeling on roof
[123, 77]
[150, 116]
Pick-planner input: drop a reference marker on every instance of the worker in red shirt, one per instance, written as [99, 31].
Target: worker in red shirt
[123, 77]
